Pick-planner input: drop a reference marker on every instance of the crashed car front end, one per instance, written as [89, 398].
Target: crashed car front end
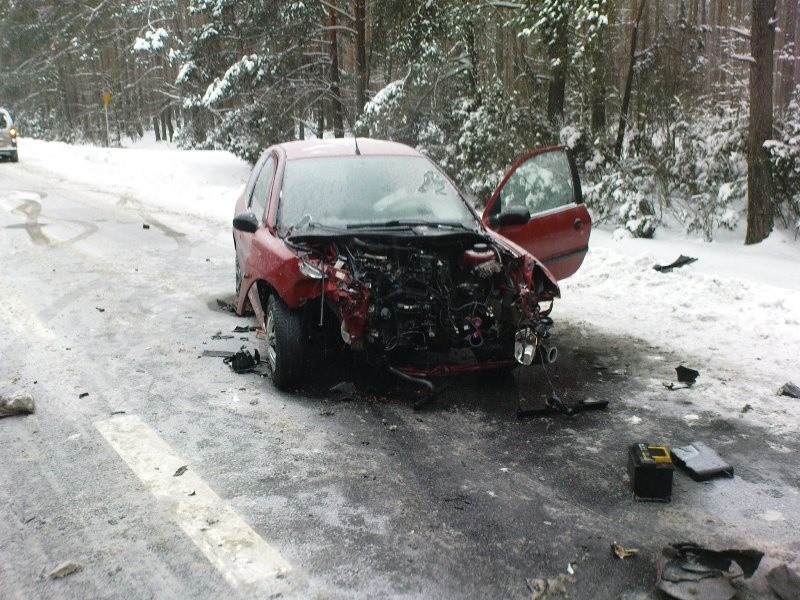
[403, 295]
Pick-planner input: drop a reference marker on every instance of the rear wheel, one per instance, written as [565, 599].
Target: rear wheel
[15, 157]
[286, 343]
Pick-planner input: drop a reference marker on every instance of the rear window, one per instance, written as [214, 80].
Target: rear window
[3, 120]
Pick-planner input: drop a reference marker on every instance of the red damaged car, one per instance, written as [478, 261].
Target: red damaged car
[370, 240]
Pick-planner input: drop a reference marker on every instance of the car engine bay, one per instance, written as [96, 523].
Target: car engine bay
[400, 294]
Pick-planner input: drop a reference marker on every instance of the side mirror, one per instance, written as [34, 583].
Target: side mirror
[514, 215]
[246, 222]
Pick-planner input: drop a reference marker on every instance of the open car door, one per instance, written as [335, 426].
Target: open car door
[539, 205]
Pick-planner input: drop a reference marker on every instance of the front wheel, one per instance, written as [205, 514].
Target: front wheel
[286, 343]
[238, 273]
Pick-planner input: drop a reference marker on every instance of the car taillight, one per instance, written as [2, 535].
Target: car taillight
[13, 132]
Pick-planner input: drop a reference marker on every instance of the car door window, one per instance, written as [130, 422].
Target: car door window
[543, 182]
[261, 188]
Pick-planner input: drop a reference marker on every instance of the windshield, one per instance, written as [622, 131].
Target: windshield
[346, 190]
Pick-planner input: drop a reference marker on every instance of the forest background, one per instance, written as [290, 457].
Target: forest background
[680, 112]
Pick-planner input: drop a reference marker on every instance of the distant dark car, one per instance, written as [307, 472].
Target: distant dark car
[370, 240]
[8, 136]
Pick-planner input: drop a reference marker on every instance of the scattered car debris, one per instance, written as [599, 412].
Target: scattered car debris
[650, 472]
[243, 329]
[681, 261]
[16, 405]
[65, 568]
[181, 471]
[145, 226]
[83, 395]
[688, 571]
[621, 552]
[672, 386]
[218, 353]
[243, 361]
[554, 406]
[220, 336]
[789, 389]
[701, 461]
[345, 389]
[541, 588]
[686, 375]
[100, 309]
[117, 412]
[784, 582]
[226, 306]
[746, 408]
[194, 493]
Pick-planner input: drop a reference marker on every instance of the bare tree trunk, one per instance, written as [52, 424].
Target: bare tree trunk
[791, 53]
[626, 97]
[359, 9]
[337, 110]
[760, 209]
[558, 78]
[156, 129]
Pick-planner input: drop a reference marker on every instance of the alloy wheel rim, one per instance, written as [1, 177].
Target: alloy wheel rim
[269, 331]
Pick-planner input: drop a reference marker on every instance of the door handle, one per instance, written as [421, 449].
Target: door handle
[578, 223]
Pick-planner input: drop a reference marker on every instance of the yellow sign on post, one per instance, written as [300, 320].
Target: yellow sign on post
[106, 98]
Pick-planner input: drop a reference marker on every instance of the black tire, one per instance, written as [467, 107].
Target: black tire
[238, 273]
[15, 157]
[286, 344]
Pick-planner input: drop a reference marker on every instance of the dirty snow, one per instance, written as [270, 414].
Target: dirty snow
[734, 315]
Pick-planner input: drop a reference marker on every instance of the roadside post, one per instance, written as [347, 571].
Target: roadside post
[106, 100]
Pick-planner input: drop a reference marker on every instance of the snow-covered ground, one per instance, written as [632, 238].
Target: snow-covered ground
[734, 314]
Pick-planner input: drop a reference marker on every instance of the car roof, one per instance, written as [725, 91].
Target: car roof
[345, 147]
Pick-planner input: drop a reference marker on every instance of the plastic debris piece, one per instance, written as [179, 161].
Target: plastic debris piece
[16, 405]
[681, 261]
[181, 471]
[83, 394]
[243, 329]
[621, 552]
[789, 389]
[145, 226]
[688, 571]
[218, 353]
[686, 375]
[242, 361]
[100, 309]
[701, 461]
[784, 582]
[65, 568]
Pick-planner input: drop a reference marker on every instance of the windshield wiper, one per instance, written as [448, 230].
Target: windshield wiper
[409, 223]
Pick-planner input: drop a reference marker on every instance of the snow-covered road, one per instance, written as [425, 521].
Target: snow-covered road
[366, 498]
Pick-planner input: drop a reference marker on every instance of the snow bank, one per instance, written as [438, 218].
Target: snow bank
[734, 315]
[201, 182]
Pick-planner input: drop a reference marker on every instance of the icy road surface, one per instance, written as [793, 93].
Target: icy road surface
[310, 495]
